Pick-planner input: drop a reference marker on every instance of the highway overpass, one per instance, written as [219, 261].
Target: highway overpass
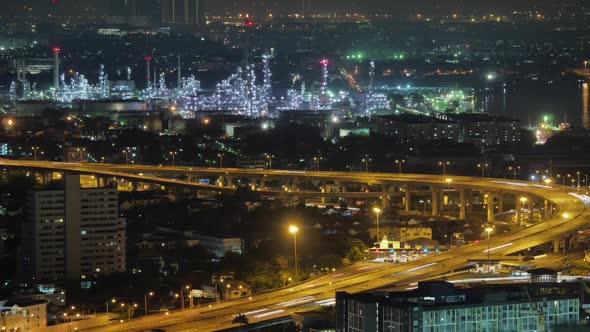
[568, 213]
[311, 184]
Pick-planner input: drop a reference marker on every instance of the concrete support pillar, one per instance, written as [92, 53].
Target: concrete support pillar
[556, 246]
[230, 181]
[262, 183]
[519, 211]
[469, 203]
[135, 185]
[408, 199]
[462, 203]
[434, 201]
[546, 209]
[490, 218]
[500, 202]
[323, 189]
[384, 200]
[253, 183]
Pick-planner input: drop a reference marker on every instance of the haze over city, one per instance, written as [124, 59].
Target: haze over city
[314, 165]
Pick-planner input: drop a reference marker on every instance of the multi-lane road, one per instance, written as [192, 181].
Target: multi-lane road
[571, 213]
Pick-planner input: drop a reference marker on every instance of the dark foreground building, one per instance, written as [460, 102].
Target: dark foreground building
[440, 306]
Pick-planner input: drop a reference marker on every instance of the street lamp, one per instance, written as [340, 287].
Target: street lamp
[377, 212]
[513, 169]
[328, 274]
[489, 230]
[35, 149]
[565, 215]
[187, 287]
[173, 154]
[366, 161]
[547, 182]
[126, 151]
[399, 164]
[317, 163]
[444, 165]
[483, 169]
[269, 157]
[107, 303]
[145, 303]
[293, 230]
[220, 155]
[578, 173]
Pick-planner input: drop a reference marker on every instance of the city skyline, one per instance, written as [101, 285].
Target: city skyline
[400, 8]
[294, 165]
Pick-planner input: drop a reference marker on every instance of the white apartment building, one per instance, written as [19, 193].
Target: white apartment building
[72, 233]
[23, 315]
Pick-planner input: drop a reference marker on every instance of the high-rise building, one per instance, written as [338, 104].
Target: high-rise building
[72, 233]
[145, 9]
[189, 12]
[440, 306]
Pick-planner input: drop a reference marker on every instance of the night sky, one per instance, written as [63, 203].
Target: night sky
[399, 7]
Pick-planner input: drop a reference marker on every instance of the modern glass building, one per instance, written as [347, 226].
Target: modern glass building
[441, 307]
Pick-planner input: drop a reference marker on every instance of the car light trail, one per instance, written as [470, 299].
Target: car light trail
[296, 301]
[512, 183]
[327, 302]
[289, 172]
[270, 313]
[420, 267]
[498, 247]
[255, 311]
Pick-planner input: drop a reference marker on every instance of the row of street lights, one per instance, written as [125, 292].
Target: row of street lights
[146, 296]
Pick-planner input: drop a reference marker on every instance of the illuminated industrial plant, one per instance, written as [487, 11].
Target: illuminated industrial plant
[247, 92]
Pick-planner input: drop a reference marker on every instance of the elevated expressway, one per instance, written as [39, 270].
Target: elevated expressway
[570, 212]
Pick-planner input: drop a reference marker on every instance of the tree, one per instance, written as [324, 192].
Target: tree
[357, 250]
[240, 319]
[355, 254]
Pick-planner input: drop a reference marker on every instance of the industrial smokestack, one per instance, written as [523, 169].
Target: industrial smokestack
[179, 84]
[148, 77]
[56, 51]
